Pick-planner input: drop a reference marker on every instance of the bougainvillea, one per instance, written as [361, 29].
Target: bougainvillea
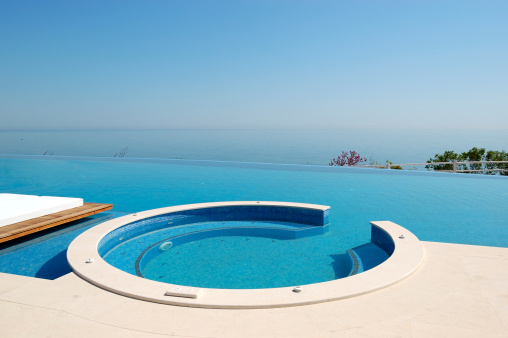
[348, 159]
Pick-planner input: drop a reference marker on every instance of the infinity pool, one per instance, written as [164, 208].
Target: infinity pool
[442, 207]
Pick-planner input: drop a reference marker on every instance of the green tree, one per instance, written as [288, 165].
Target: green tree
[474, 154]
[494, 155]
[447, 156]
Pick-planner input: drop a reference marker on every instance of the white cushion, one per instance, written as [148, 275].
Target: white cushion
[16, 208]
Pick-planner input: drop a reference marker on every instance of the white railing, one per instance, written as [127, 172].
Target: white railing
[455, 163]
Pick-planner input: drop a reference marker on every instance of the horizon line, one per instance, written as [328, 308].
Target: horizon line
[230, 129]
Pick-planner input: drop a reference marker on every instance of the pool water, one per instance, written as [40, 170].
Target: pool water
[44, 254]
[244, 262]
[441, 207]
[229, 254]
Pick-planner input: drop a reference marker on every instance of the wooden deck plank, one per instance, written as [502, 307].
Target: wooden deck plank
[30, 226]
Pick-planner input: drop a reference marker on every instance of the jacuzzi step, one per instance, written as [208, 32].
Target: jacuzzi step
[365, 257]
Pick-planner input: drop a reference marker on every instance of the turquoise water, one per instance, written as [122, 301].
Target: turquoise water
[247, 262]
[44, 254]
[229, 254]
[442, 207]
[454, 208]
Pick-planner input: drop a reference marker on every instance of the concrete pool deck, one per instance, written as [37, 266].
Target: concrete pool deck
[459, 291]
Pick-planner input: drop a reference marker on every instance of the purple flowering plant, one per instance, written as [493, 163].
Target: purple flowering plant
[350, 159]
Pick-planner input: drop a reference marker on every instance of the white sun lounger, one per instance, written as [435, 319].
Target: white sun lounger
[16, 208]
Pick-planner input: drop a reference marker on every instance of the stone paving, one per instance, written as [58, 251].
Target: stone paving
[459, 291]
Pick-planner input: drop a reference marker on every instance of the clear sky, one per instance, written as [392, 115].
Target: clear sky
[253, 64]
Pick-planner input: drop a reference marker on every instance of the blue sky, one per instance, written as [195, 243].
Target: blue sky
[253, 64]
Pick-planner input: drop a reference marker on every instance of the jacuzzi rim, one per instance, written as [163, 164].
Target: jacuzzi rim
[406, 258]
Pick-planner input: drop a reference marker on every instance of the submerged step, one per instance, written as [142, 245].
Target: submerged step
[365, 257]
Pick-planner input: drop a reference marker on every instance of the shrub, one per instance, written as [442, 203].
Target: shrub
[350, 159]
[393, 166]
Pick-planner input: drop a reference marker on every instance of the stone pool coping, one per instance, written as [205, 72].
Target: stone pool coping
[407, 257]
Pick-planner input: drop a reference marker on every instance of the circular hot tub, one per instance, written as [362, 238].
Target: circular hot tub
[131, 255]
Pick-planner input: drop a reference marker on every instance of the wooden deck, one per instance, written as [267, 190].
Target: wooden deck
[30, 226]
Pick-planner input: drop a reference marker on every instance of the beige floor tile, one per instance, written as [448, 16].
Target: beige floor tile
[279, 322]
[10, 282]
[19, 320]
[425, 329]
[459, 291]
[462, 312]
[332, 316]
[393, 328]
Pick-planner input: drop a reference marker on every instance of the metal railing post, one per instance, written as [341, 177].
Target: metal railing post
[454, 166]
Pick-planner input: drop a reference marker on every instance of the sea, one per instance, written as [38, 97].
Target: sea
[304, 147]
